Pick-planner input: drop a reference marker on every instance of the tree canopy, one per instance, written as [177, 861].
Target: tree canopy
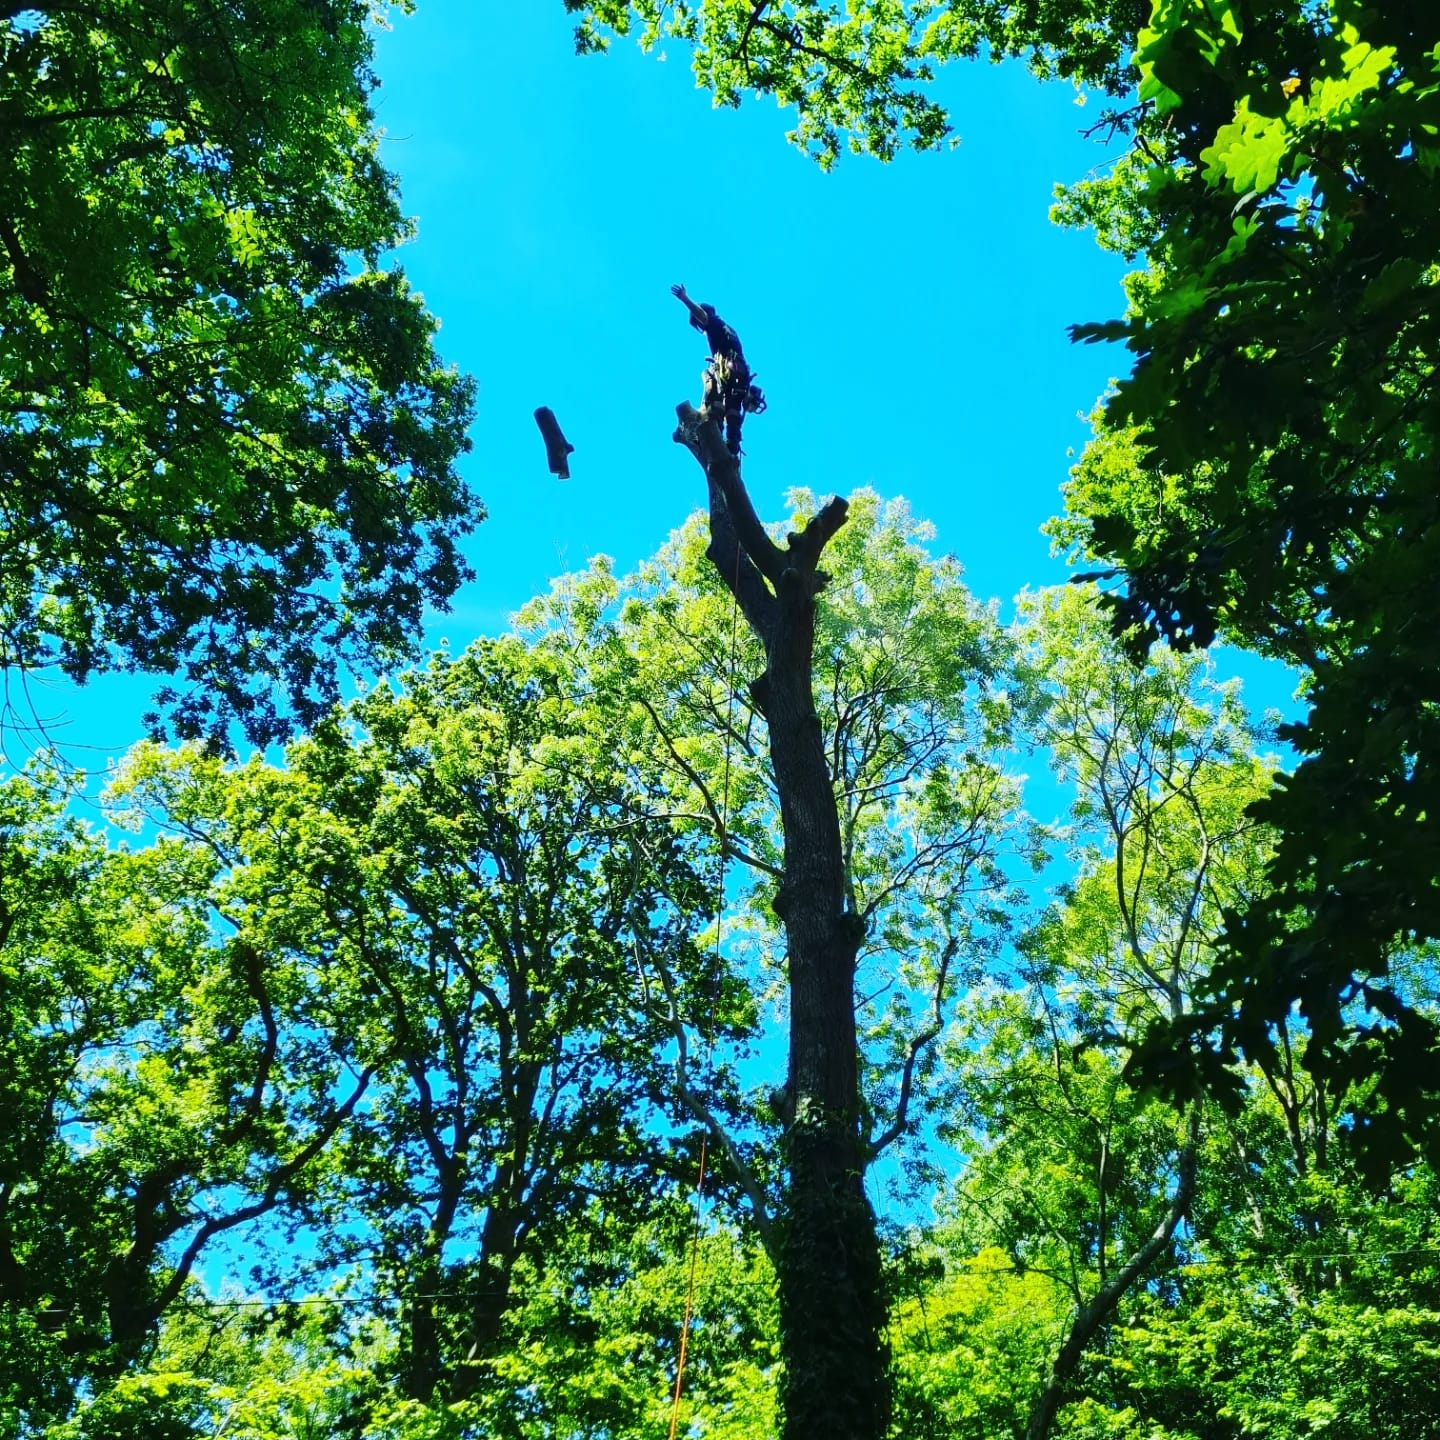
[858, 74]
[228, 442]
[1263, 474]
[424, 1021]
[423, 1080]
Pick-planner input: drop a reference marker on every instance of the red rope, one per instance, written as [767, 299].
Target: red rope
[689, 1290]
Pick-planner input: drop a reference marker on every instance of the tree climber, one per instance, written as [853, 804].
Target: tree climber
[728, 372]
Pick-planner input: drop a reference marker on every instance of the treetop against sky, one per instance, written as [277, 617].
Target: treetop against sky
[907, 322]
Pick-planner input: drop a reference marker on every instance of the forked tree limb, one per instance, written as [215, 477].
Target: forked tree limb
[756, 570]
[700, 434]
[1098, 1309]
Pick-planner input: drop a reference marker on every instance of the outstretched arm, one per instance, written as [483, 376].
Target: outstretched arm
[698, 317]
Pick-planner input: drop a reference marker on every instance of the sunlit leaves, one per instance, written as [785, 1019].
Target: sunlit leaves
[149, 1074]
[858, 75]
[1277, 431]
[917, 698]
[231, 447]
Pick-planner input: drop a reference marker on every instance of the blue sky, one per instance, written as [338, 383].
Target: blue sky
[907, 322]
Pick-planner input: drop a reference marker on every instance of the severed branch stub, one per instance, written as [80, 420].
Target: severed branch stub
[832, 1306]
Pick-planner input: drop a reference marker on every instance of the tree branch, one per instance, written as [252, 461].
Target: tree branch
[270, 1196]
[255, 982]
[701, 436]
[1094, 1314]
[918, 1044]
[790, 35]
[756, 11]
[807, 546]
[717, 819]
[764, 1224]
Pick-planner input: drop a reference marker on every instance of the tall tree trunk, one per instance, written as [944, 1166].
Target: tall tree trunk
[444, 1360]
[490, 1306]
[832, 1311]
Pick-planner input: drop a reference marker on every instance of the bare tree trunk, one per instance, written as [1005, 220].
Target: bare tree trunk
[832, 1312]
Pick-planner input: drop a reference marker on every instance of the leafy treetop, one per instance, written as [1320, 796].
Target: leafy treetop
[228, 445]
[857, 74]
[1267, 473]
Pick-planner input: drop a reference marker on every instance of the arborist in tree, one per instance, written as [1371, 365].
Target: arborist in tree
[729, 374]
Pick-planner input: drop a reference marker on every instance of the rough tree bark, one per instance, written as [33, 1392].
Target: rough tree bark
[832, 1312]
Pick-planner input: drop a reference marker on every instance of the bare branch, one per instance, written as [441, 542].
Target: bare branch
[918, 1045]
[701, 436]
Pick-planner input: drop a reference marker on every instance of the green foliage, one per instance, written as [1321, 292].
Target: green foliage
[223, 1367]
[857, 74]
[969, 1346]
[166, 1406]
[1266, 472]
[467, 880]
[918, 700]
[403, 1004]
[590, 1347]
[1285, 1266]
[146, 1066]
[228, 443]
[1265, 1356]
[418, 1019]
[595, 1345]
[1071, 1175]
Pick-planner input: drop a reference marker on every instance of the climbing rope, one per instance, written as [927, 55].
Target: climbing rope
[689, 1288]
[697, 1232]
